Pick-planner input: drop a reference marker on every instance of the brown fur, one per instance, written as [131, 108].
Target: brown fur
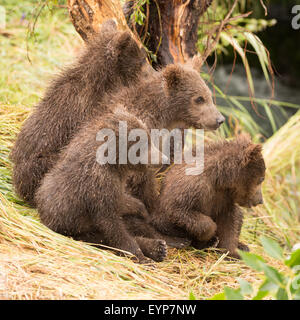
[166, 104]
[168, 97]
[161, 100]
[86, 200]
[164, 100]
[111, 60]
[203, 206]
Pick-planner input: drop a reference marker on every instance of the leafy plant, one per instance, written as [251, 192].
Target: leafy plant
[276, 284]
[238, 32]
[138, 14]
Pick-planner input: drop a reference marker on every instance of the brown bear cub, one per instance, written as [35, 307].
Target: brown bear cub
[175, 95]
[85, 199]
[205, 207]
[111, 60]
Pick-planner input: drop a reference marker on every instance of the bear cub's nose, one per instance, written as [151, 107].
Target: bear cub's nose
[220, 120]
[260, 201]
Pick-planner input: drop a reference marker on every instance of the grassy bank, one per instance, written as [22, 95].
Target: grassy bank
[36, 263]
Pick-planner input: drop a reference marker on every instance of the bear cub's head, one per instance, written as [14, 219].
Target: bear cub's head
[190, 96]
[251, 174]
[131, 141]
[119, 51]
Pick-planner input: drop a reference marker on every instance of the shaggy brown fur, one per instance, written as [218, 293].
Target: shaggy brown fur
[202, 206]
[86, 200]
[110, 61]
[176, 95]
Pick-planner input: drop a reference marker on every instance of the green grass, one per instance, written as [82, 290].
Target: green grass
[27, 58]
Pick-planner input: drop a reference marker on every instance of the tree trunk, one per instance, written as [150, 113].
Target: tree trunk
[169, 31]
[88, 15]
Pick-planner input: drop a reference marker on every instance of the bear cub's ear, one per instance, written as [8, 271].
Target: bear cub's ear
[125, 43]
[173, 75]
[109, 25]
[244, 139]
[124, 40]
[252, 153]
[196, 63]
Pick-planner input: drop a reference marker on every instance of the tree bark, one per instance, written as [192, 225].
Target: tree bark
[88, 15]
[169, 31]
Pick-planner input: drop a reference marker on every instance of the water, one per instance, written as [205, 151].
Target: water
[238, 86]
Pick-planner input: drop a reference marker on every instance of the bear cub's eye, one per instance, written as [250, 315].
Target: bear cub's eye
[261, 180]
[199, 100]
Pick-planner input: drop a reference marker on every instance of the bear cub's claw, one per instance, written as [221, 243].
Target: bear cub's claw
[243, 247]
[145, 260]
[159, 251]
[178, 243]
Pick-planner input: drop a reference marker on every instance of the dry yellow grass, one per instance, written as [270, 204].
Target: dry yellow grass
[36, 263]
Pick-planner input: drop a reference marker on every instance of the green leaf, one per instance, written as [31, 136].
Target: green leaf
[281, 294]
[245, 287]
[270, 116]
[272, 248]
[261, 53]
[294, 259]
[218, 296]
[192, 296]
[242, 54]
[297, 295]
[232, 294]
[252, 260]
[260, 295]
[268, 285]
[273, 275]
[295, 283]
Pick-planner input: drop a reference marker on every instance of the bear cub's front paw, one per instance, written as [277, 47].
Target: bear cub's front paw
[243, 247]
[158, 250]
